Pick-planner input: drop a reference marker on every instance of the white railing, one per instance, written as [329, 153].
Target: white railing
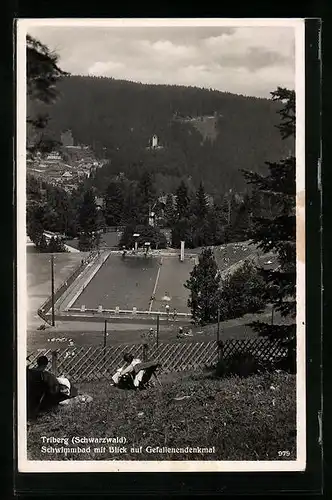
[132, 312]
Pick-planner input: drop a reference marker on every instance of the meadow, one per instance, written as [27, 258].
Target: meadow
[251, 418]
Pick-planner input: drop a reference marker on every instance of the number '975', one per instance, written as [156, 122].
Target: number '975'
[284, 453]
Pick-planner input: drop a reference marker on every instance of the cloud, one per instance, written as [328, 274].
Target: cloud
[100, 68]
[247, 60]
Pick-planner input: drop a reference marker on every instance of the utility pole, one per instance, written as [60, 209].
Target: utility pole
[52, 289]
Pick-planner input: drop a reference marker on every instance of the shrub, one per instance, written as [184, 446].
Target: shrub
[88, 241]
[84, 242]
[242, 292]
[241, 363]
[56, 245]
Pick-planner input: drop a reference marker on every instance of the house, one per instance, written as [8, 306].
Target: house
[54, 156]
[67, 175]
[99, 201]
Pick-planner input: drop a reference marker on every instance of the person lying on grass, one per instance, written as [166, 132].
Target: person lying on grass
[44, 389]
[126, 374]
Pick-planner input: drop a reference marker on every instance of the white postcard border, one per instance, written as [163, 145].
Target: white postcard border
[25, 465]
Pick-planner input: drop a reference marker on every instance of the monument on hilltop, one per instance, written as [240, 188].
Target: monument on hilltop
[154, 143]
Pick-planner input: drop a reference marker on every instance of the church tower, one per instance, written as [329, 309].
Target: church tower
[154, 141]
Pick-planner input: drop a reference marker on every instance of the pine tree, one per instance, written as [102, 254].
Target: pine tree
[181, 230]
[145, 196]
[88, 220]
[228, 209]
[182, 201]
[43, 73]
[169, 210]
[203, 286]
[277, 232]
[200, 221]
[200, 205]
[241, 227]
[131, 211]
[114, 204]
[216, 225]
[35, 221]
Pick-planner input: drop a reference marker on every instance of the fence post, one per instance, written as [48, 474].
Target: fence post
[105, 340]
[145, 352]
[220, 346]
[52, 290]
[55, 362]
[105, 333]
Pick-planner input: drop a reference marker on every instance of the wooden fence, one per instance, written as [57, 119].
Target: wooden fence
[95, 363]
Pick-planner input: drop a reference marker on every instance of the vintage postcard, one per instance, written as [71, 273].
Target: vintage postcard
[161, 245]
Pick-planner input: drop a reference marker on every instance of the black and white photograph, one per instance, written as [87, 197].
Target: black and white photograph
[161, 245]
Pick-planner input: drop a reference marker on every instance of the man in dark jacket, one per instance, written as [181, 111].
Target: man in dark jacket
[43, 388]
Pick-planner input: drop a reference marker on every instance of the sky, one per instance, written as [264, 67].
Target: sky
[243, 60]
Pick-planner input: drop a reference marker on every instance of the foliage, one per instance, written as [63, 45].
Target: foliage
[182, 201]
[277, 231]
[169, 211]
[56, 245]
[97, 111]
[114, 204]
[50, 208]
[147, 233]
[88, 213]
[195, 222]
[43, 73]
[241, 292]
[200, 205]
[240, 230]
[287, 112]
[203, 286]
[85, 242]
[240, 363]
[35, 221]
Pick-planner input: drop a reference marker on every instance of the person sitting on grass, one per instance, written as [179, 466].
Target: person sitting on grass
[44, 389]
[125, 375]
[180, 333]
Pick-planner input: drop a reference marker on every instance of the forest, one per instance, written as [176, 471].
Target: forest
[118, 118]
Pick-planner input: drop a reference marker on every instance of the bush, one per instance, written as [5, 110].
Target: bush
[84, 242]
[241, 363]
[242, 292]
[288, 362]
[87, 242]
[56, 245]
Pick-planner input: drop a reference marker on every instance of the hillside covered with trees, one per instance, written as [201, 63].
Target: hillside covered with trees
[118, 118]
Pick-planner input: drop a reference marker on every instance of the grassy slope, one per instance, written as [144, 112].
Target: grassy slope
[245, 419]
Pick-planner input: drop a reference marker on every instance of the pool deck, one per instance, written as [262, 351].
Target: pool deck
[68, 307]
